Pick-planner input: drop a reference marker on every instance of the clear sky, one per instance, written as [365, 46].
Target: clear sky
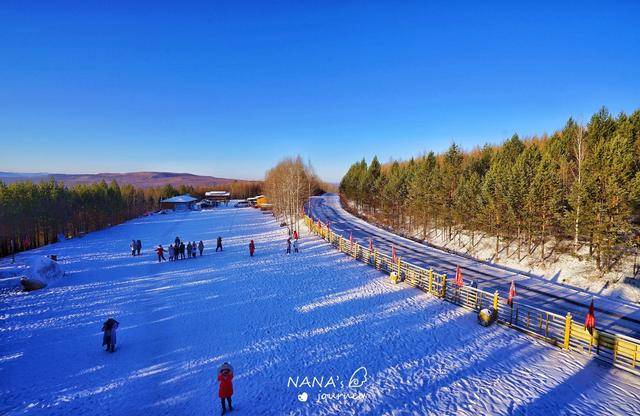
[229, 88]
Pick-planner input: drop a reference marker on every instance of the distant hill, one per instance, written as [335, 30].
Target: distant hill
[138, 179]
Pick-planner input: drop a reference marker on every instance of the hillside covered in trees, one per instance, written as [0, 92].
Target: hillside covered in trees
[577, 188]
[34, 214]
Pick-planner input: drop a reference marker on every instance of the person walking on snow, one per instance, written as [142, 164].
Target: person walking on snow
[295, 246]
[201, 247]
[225, 391]
[252, 248]
[109, 337]
[172, 253]
[194, 250]
[132, 245]
[189, 250]
[160, 252]
[219, 244]
[288, 245]
[138, 246]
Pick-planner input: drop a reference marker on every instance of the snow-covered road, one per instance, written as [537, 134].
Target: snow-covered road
[277, 319]
[614, 315]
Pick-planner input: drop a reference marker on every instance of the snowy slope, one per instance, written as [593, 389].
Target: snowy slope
[277, 319]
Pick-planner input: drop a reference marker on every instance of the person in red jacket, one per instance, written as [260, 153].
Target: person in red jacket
[225, 377]
[252, 248]
[160, 252]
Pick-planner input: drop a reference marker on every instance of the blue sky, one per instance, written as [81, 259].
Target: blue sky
[229, 88]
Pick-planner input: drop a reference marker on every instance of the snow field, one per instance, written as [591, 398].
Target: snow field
[277, 319]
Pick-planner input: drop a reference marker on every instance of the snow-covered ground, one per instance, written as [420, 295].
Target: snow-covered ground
[277, 319]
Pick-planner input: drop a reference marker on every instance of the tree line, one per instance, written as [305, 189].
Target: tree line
[579, 186]
[36, 214]
[288, 186]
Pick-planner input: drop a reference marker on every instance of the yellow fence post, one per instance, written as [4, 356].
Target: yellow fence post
[375, 258]
[430, 281]
[495, 301]
[341, 244]
[399, 270]
[444, 286]
[567, 331]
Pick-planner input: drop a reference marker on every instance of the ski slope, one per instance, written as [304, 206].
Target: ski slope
[614, 315]
[277, 319]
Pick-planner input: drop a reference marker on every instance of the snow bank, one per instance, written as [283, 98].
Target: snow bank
[42, 271]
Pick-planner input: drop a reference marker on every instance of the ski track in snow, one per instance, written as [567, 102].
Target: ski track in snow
[317, 313]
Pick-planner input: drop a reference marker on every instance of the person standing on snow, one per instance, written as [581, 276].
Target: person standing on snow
[225, 391]
[252, 248]
[194, 250]
[132, 245]
[177, 241]
[182, 249]
[172, 253]
[109, 337]
[189, 250]
[160, 252]
[288, 245]
[295, 234]
[201, 247]
[295, 246]
[219, 244]
[138, 246]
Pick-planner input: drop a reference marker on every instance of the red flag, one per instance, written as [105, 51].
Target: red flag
[512, 293]
[590, 322]
[459, 281]
[371, 244]
[393, 253]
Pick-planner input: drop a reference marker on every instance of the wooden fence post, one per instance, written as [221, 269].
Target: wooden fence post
[567, 331]
[430, 281]
[495, 301]
[444, 286]
[341, 244]
[399, 270]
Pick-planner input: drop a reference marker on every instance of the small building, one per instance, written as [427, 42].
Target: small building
[218, 197]
[258, 201]
[179, 203]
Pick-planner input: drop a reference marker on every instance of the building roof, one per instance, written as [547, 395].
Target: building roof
[217, 193]
[255, 198]
[180, 198]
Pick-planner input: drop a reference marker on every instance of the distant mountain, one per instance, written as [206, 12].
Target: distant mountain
[138, 179]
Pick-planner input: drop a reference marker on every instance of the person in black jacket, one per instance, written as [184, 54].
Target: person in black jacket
[219, 243]
[109, 337]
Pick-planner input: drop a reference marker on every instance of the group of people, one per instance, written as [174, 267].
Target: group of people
[178, 250]
[294, 244]
[136, 247]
